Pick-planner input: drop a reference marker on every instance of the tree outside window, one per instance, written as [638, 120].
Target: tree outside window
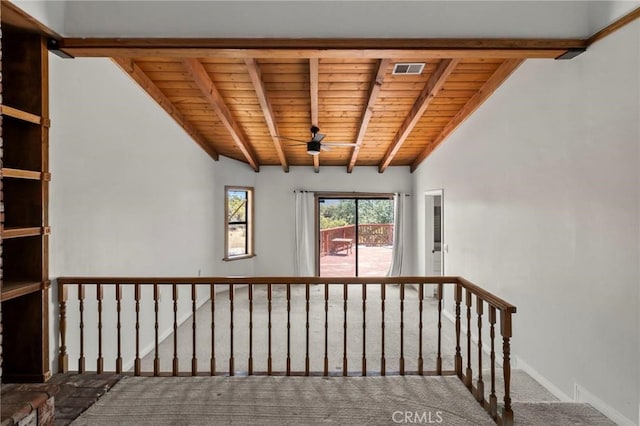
[238, 222]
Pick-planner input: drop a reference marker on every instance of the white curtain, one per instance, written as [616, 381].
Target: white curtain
[305, 234]
[400, 212]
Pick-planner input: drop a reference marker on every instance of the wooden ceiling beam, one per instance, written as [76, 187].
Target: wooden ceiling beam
[258, 84]
[430, 91]
[374, 90]
[200, 76]
[373, 48]
[502, 73]
[313, 89]
[139, 76]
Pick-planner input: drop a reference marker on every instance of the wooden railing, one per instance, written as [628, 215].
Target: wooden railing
[368, 234]
[391, 308]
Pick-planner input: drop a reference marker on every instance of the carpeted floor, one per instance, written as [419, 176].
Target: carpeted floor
[286, 401]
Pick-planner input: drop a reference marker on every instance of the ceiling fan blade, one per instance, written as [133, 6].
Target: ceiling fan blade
[339, 144]
[317, 137]
[323, 147]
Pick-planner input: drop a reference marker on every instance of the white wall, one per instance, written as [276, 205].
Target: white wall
[275, 206]
[131, 194]
[541, 206]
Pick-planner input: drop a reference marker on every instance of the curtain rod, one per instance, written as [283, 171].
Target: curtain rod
[348, 192]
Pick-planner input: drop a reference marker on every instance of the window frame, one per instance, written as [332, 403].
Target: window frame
[249, 218]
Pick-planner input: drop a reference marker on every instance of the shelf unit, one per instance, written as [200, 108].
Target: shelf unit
[24, 292]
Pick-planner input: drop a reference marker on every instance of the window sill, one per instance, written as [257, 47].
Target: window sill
[232, 258]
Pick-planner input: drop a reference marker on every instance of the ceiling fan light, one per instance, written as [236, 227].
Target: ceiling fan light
[313, 148]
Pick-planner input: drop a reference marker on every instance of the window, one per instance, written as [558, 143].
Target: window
[238, 232]
[355, 235]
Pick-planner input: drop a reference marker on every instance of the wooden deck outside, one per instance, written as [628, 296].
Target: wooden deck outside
[373, 262]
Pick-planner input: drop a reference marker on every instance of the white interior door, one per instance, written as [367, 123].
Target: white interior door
[434, 242]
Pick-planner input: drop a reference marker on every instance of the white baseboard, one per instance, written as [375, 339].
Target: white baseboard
[521, 365]
[583, 395]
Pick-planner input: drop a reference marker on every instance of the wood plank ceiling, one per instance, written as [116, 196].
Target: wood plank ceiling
[243, 102]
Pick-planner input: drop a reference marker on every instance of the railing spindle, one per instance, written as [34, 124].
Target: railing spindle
[439, 357]
[100, 360]
[63, 357]
[420, 303]
[176, 361]
[194, 359]
[326, 329]
[306, 358]
[458, 356]
[119, 328]
[402, 329]
[493, 400]
[212, 296]
[137, 360]
[231, 366]
[364, 329]
[81, 360]
[383, 366]
[345, 296]
[156, 307]
[250, 360]
[288, 329]
[480, 382]
[468, 377]
[269, 358]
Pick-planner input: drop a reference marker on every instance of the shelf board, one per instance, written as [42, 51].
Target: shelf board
[21, 174]
[20, 115]
[13, 289]
[21, 232]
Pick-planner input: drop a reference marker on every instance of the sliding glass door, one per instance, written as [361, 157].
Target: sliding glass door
[355, 236]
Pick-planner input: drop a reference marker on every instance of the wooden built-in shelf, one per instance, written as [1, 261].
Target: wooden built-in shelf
[20, 115]
[22, 232]
[13, 289]
[21, 174]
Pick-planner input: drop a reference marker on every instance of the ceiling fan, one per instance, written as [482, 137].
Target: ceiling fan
[315, 145]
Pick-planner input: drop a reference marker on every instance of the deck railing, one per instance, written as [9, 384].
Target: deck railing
[372, 235]
[392, 308]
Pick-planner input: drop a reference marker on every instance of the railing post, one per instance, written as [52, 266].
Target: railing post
[63, 357]
[458, 356]
[506, 331]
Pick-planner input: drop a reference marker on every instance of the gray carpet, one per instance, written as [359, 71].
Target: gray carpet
[286, 401]
[557, 413]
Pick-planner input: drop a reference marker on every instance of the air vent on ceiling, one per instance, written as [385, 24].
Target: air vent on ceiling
[408, 68]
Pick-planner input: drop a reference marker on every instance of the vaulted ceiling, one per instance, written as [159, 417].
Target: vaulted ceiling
[247, 98]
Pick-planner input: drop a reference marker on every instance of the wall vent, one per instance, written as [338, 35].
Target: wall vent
[408, 68]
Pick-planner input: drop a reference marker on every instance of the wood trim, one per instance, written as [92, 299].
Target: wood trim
[22, 232]
[374, 48]
[502, 73]
[256, 79]
[430, 91]
[19, 114]
[492, 299]
[314, 66]
[21, 174]
[139, 76]
[210, 92]
[613, 27]
[13, 289]
[374, 91]
[16, 17]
